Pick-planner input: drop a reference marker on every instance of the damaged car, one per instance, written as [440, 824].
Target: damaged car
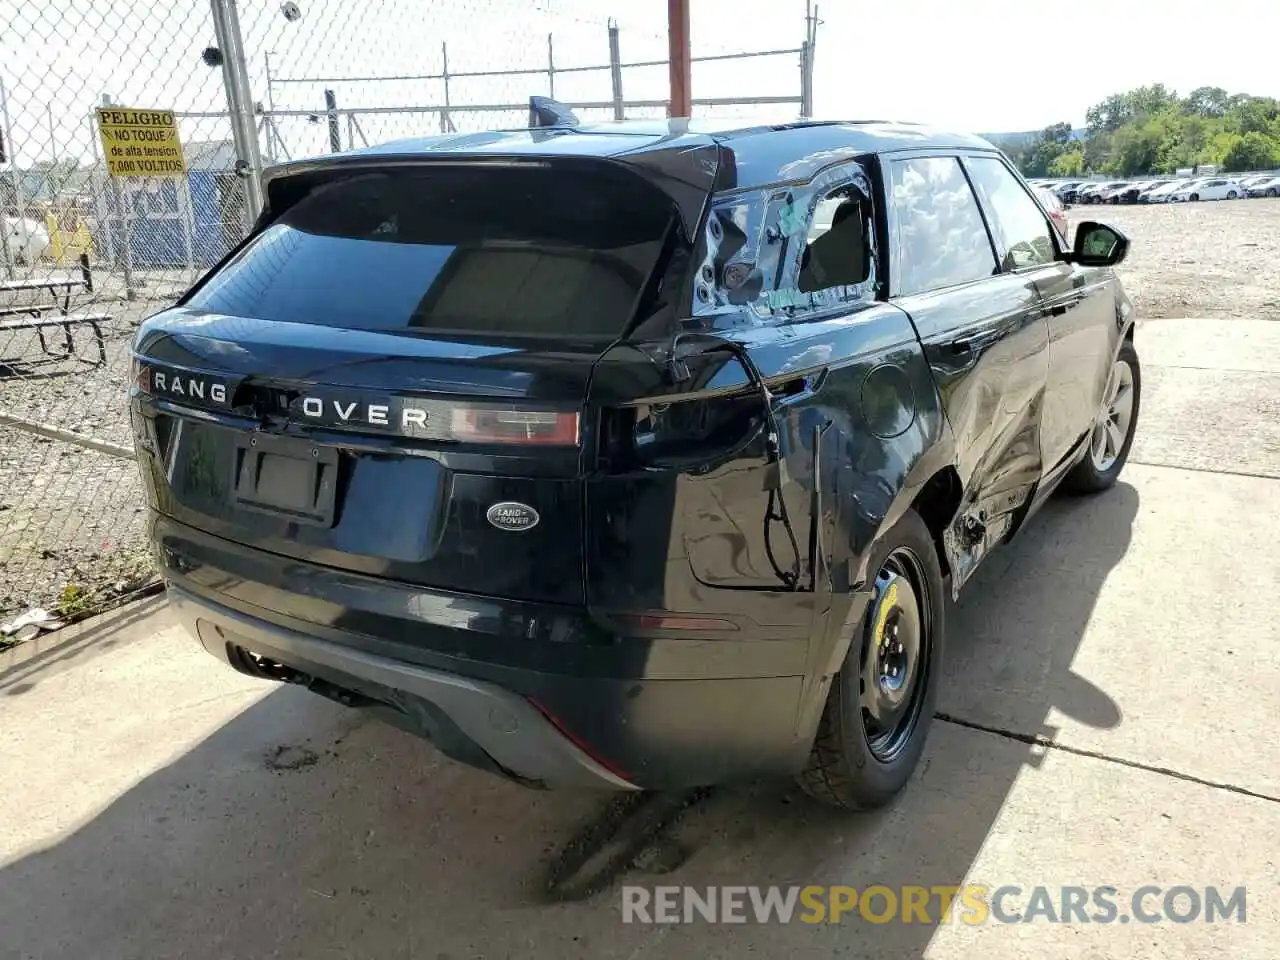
[638, 455]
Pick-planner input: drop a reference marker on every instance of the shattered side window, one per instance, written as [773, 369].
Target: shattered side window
[772, 253]
[837, 258]
[733, 276]
[832, 253]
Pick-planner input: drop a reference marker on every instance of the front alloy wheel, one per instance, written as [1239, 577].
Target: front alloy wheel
[1111, 428]
[1111, 435]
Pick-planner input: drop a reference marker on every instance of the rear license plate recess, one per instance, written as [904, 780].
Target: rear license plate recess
[288, 477]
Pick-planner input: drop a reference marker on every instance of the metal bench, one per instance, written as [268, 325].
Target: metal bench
[66, 321]
[59, 314]
[51, 285]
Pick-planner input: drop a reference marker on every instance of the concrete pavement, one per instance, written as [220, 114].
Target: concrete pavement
[160, 806]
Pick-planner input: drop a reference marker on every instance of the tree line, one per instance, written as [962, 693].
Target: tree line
[1152, 130]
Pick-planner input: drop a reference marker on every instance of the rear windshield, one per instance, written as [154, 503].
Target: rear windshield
[533, 252]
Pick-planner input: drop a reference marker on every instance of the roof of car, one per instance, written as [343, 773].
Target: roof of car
[761, 153]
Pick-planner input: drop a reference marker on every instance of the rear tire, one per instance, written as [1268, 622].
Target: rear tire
[1231, 195]
[862, 756]
[1105, 456]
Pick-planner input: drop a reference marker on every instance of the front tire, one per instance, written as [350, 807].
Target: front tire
[1194, 196]
[881, 703]
[1113, 429]
[1231, 195]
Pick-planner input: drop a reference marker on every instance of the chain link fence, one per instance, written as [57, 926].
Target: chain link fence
[86, 256]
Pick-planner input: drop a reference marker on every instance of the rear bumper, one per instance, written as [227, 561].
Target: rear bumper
[543, 695]
[470, 720]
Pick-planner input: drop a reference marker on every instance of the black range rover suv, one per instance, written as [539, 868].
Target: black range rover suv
[634, 455]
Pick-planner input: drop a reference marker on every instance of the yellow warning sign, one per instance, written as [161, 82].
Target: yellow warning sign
[141, 143]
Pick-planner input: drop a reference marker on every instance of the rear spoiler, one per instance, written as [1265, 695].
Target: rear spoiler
[687, 167]
[684, 167]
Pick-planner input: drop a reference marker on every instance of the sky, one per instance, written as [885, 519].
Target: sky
[1001, 66]
[982, 65]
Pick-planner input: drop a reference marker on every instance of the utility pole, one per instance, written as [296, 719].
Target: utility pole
[678, 57]
[235, 77]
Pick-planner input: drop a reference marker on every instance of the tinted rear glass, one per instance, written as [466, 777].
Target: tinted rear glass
[502, 251]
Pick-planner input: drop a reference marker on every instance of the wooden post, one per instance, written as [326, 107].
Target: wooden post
[678, 57]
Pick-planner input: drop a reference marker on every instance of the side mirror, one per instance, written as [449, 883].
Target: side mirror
[1098, 245]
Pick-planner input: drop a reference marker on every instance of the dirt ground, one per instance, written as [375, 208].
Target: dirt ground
[72, 518]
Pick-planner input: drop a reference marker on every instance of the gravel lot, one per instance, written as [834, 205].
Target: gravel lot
[1218, 259]
[72, 517]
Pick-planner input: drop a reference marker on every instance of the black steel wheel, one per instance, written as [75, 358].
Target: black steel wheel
[894, 655]
[881, 703]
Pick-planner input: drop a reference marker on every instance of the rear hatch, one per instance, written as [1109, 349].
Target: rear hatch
[391, 376]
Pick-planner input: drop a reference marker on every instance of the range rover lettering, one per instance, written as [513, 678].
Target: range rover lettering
[189, 386]
[632, 456]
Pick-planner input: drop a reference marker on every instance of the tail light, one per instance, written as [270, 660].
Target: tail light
[525, 427]
[140, 376]
[685, 433]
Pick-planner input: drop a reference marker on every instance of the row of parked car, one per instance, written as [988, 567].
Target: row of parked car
[1162, 191]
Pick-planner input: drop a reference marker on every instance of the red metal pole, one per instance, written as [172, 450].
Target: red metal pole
[678, 56]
